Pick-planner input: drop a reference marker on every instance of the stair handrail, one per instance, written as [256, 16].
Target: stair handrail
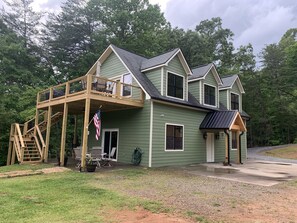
[19, 138]
[26, 130]
[37, 139]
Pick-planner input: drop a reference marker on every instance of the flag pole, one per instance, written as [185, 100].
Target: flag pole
[93, 117]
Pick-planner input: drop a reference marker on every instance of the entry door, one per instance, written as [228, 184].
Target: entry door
[110, 141]
[210, 148]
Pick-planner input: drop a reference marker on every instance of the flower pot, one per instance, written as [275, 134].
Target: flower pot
[91, 167]
[65, 160]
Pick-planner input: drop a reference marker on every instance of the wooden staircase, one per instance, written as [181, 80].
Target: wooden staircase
[26, 140]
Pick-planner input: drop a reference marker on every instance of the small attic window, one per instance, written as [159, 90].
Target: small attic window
[234, 101]
[175, 85]
[209, 95]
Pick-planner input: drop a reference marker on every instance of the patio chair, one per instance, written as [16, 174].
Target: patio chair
[106, 160]
[77, 154]
[100, 85]
[97, 155]
[109, 87]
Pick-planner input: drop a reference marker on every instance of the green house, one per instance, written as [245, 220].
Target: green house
[175, 114]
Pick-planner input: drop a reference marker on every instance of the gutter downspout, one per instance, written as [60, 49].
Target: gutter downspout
[228, 143]
[240, 147]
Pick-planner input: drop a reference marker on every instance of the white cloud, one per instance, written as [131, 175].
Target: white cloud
[252, 21]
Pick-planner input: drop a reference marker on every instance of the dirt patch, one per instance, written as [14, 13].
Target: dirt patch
[142, 216]
[22, 173]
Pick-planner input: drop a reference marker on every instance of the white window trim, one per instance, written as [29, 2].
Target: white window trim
[173, 150]
[216, 96]
[239, 100]
[103, 139]
[166, 87]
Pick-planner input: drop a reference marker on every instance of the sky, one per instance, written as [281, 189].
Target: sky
[259, 22]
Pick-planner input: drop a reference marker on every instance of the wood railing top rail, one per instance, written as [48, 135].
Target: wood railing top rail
[87, 84]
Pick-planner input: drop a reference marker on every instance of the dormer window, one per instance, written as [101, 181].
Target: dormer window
[234, 101]
[175, 85]
[209, 95]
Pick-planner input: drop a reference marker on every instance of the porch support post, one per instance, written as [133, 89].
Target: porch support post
[85, 133]
[13, 156]
[227, 146]
[48, 133]
[63, 136]
[9, 152]
[36, 120]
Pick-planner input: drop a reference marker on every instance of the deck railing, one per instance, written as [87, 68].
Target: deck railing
[91, 84]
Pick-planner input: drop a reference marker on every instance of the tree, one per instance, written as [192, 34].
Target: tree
[22, 20]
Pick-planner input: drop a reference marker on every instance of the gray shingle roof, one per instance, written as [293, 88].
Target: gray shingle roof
[218, 120]
[200, 71]
[133, 62]
[158, 60]
[228, 81]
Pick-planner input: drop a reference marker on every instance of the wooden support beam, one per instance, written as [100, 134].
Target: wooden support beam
[48, 133]
[13, 156]
[63, 135]
[238, 148]
[85, 133]
[9, 152]
[36, 120]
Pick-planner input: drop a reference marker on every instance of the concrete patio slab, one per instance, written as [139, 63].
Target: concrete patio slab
[258, 172]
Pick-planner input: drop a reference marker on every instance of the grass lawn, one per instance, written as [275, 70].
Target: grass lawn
[289, 152]
[60, 197]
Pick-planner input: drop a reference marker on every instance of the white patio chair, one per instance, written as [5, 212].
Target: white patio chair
[106, 160]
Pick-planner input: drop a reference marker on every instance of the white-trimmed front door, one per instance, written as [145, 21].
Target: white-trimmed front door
[110, 139]
[210, 148]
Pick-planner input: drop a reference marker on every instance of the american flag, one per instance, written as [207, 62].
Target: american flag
[97, 123]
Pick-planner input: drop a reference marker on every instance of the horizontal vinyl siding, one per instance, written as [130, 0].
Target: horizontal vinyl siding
[220, 147]
[194, 144]
[194, 89]
[112, 67]
[223, 97]
[133, 125]
[210, 79]
[155, 77]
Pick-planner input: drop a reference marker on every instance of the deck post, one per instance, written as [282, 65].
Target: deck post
[85, 133]
[36, 120]
[48, 133]
[63, 135]
[9, 152]
[13, 156]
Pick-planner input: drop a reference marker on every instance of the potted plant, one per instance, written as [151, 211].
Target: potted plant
[90, 163]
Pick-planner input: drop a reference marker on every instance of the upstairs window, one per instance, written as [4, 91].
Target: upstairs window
[234, 101]
[175, 86]
[174, 137]
[209, 95]
[127, 79]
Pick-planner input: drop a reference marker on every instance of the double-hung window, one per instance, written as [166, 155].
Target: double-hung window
[174, 137]
[234, 101]
[175, 86]
[209, 95]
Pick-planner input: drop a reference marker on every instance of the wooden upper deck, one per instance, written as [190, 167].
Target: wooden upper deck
[105, 93]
